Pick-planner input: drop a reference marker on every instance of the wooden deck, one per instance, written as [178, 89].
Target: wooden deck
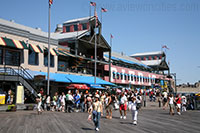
[149, 120]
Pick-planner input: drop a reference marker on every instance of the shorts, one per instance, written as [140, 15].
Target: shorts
[171, 106]
[123, 107]
[109, 107]
[178, 105]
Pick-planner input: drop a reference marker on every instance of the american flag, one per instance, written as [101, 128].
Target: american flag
[165, 46]
[104, 10]
[111, 36]
[93, 3]
[50, 2]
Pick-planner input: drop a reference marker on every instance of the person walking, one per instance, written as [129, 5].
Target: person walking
[178, 104]
[183, 103]
[171, 104]
[48, 102]
[97, 107]
[109, 106]
[123, 106]
[134, 110]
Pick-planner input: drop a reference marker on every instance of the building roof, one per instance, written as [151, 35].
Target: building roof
[125, 58]
[147, 53]
[22, 27]
[78, 19]
[32, 33]
[69, 35]
[152, 62]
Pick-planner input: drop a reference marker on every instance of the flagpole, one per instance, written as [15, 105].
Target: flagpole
[95, 50]
[90, 11]
[101, 18]
[49, 30]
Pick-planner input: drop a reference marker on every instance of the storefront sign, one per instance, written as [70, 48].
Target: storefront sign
[20, 95]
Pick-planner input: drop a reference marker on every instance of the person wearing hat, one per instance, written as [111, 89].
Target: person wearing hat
[97, 107]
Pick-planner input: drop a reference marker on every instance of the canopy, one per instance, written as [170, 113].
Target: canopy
[70, 78]
[13, 43]
[78, 86]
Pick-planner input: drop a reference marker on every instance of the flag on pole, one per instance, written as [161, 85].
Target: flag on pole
[165, 46]
[111, 36]
[93, 3]
[95, 14]
[104, 10]
[50, 2]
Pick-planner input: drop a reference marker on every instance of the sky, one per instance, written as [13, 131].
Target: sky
[137, 26]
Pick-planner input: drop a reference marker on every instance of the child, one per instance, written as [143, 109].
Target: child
[90, 113]
[134, 110]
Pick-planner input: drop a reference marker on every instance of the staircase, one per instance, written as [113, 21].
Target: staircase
[22, 76]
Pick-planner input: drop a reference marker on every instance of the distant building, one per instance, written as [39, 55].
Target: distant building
[133, 73]
[155, 60]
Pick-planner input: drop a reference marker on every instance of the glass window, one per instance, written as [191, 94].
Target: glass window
[75, 27]
[84, 26]
[46, 59]
[1, 56]
[128, 77]
[131, 78]
[62, 65]
[33, 58]
[12, 58]
[121, 77]
[67, 28]
[117, 76]
[125, 77]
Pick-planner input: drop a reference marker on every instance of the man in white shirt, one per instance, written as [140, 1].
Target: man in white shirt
[123, 105]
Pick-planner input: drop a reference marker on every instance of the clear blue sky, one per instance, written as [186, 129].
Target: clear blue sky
[137, 26]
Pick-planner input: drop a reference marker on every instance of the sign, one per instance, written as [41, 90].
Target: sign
[2, 98]
[20, 95]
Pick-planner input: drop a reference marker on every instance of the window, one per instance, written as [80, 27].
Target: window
[84, 26]
[147, 58]
[32, 58]
[131, 78]
[113, 76]
[67, 28]
[128, 77]
[75, 27]
[117, 76]
[1, 56]
[12, 58]
[125, 77]
[46, 59]
[121, 77]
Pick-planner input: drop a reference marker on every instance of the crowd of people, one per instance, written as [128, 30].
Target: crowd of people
[97, 103]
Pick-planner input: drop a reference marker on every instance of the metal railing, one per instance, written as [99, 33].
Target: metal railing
[20, 72]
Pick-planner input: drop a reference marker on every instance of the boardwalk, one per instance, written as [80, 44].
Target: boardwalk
[150, 120]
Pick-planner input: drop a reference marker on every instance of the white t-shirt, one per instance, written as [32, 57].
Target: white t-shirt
[133, 105]
[171, 100]
[70, 97]
[165, 94]
[123, 100]
[63, 99]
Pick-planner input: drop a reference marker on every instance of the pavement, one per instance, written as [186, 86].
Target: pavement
[150, 120]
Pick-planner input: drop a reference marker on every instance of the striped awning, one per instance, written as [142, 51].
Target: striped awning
[13, 43]
[52, 51]
[35, 48]
[65, 53]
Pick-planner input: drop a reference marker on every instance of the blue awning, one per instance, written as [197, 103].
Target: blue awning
[69, 78]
